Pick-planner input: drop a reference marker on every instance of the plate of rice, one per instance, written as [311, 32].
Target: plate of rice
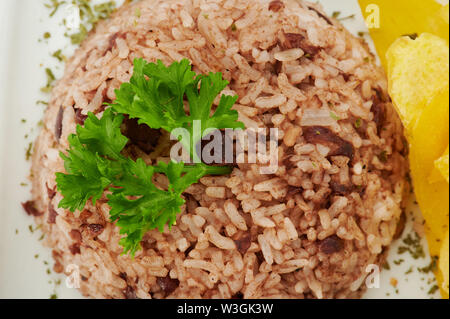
[335, 219]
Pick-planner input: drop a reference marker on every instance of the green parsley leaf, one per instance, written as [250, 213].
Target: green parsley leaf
[336, 14]
[334, 116]
[59, 56]
[104, 10]
[103, 135]
[50, 79]
[78, 37]
[152, 209]
[158, 101]
[94, 162]
[54, 5]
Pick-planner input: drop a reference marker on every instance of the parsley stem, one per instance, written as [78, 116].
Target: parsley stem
[210, 170]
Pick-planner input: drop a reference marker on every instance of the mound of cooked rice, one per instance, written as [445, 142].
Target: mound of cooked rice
[308, 231]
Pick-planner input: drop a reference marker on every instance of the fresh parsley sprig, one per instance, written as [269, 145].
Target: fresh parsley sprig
[94, 162]
[155, 95]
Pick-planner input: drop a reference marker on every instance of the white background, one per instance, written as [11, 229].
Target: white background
[22, 63]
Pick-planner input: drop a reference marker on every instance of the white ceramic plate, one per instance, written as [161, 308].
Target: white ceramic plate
[25, 266]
